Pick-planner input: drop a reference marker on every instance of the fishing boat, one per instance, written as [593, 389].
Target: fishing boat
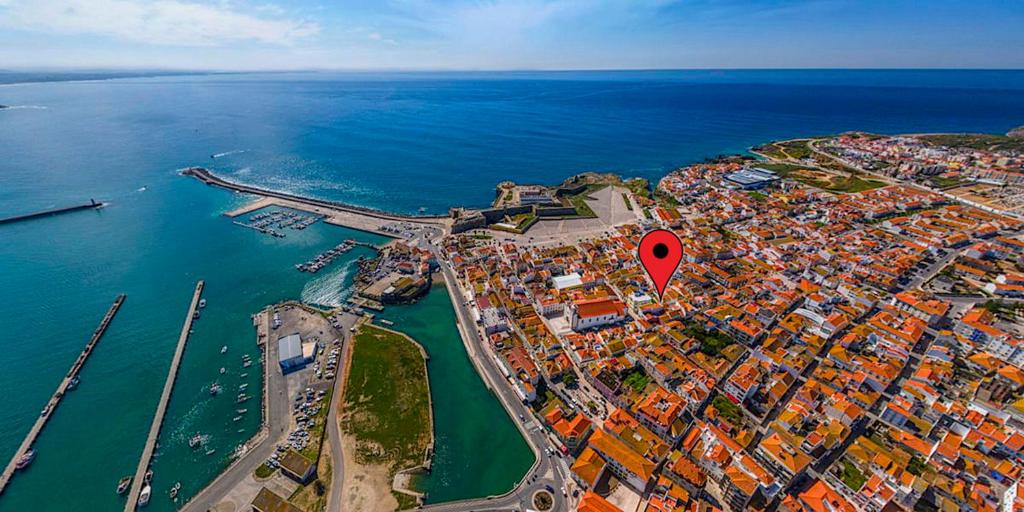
[244, 375]
[242, 411]
[173, 493]
[148, 478]
[241, 387]
[202, 303]
[144, 496]
[237, 418]
[222, 370]
[195, 315]
[224, 349]
[195, 441]
[246, 364]
[123, 484]
[211, 451]
[73, 383]
[215, 389]
[25, 460]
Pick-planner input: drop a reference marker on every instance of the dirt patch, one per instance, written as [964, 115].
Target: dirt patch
[366, 488]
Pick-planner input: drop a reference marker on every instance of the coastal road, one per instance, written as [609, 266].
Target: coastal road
[334, 426]
[277, 415]
[545, 472]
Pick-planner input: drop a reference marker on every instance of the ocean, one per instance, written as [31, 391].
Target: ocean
[404, 142]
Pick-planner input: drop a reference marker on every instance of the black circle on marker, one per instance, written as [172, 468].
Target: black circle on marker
[660, 250]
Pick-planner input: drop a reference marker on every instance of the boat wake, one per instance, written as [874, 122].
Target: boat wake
[329, 289]
[227, 153]
[243, 171]
[24, 107]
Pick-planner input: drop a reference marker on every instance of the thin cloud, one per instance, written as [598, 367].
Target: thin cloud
[158, 22]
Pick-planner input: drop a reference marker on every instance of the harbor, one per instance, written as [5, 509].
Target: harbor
[140, 489]
[92, 204]
[325, 258]
[25, 454]
[332, 212]
[274, 223]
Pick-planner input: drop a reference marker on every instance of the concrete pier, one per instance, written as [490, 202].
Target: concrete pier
[92, 204]
[58, 395]
[333, 212]
[161, 408]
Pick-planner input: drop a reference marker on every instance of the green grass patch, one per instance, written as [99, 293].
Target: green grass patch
[852, 477]
[579, 202]
[264, 471]
[796, 149]
[638, 380]
[664, 199]
[405, 502]
[916, 466]
[629, 204]
[841, 184]
[387, 400]
[730, 411]
[639, 187]
[943, 182]
[980, 141]
[758, 196]
[711, 342]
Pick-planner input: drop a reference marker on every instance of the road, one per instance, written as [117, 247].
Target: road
[334, 425]
[545, 472]
[276, 414]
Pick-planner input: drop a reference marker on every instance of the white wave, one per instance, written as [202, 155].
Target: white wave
[232, 152]
[243, 171]
[329, 289]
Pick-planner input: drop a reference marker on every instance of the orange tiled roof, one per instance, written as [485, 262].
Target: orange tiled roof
[591, 502]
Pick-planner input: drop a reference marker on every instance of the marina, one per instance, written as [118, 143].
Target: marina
[325, 258]
[25, 454]
[274, 223]
[139, 495]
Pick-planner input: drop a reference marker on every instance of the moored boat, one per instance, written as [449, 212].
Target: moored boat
[25, 460]
[144, 496]
[123, 484]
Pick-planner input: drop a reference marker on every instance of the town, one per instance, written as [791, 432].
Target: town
[843, 333]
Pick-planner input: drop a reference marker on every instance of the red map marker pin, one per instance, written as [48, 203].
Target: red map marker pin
[660, 252]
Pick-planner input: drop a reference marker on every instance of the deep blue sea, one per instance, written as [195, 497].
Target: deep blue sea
[397, 141]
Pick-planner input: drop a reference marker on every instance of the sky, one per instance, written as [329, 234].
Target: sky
[510, 34]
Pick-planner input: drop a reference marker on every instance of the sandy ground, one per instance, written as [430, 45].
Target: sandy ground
[366, 488]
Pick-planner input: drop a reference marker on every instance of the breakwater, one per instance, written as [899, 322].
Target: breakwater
[92, 204]
[69, 382]
[138, 482]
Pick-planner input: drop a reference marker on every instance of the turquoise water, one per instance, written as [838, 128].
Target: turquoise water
[394, 141]
[468, 419]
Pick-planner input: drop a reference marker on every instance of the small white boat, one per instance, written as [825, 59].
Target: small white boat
[224, 349]
[222, 370]
[123, 483]
[202, 303]
[144, 496]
